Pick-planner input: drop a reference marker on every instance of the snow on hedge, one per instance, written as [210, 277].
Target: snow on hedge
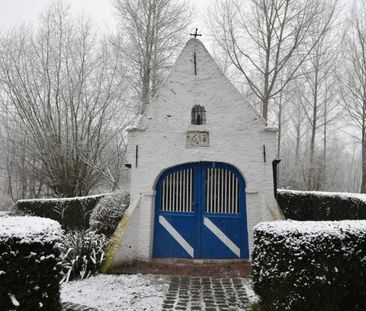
[108, 212]
[310, 265]
[343, 195]
[29, 263]
[29, 229]
[81, 198]
[304, 228]
[320, 206]
[71, 213]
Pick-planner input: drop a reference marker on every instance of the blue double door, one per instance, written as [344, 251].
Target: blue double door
[200, 213]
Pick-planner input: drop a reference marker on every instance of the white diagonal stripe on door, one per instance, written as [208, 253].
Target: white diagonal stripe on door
[176, 235]
[221, 236]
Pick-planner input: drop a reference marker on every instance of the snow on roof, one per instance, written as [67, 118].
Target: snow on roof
[136, 124]
[271, 129]
[312, 227]
[29, 229]
[345, 195]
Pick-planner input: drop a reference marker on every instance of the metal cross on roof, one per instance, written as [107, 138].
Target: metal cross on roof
[196, 34]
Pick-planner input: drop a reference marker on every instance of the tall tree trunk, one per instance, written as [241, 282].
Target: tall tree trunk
[145, 96]
[363, 142]
[325, 136]
[324, 162]
[311, 179]
[298, 138]
[312, 170]
[279, 127]
[363, 183]
[146, 79]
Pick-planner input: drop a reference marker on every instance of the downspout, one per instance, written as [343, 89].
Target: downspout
[274, 168]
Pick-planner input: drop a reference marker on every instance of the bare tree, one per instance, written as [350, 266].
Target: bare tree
[353, 77]
[293, 140]
[262, 36]
[63, 90]
[152, 31]
[281, 107]
[15, 177]
[318, 99]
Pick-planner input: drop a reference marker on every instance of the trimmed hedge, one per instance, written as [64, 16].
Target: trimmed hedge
[313, 205]
[71, 213]
[29, 264]
[302, 266]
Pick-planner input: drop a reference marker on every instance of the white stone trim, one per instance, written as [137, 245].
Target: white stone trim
[149, 193]
[251, 191]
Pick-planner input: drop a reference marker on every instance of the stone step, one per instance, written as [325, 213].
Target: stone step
[187, 267]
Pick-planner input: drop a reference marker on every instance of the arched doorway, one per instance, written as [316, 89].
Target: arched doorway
[200, 212]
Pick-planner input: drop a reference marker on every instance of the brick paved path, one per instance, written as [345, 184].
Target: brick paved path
[197, 293]
[203, 293]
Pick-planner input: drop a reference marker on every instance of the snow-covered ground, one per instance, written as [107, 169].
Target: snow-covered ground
[4, 213]
[118, 292]
[127, 292]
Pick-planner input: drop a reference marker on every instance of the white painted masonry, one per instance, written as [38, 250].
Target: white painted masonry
[237, 134]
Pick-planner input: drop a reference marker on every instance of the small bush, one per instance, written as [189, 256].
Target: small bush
[71, 213]
[108, 213]
[302, 266]
[313, 205]
[29, 264]
[82, 254]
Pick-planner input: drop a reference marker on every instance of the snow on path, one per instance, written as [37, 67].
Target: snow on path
[117, 292]
[253, 298]
[4, 213]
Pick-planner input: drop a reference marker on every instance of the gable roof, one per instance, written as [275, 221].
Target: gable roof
[184, 67]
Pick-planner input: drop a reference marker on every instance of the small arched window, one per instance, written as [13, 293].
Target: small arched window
[198, 115]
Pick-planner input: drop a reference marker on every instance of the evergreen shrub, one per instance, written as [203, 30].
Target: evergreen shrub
[30, 268]
[109, 212]
[302, 266]
[82, 254]
[71, 213]
[313, 205]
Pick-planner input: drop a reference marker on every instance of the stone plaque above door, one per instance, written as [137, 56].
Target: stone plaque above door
[197, 139]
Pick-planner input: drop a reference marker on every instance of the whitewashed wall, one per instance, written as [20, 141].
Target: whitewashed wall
[237, 134]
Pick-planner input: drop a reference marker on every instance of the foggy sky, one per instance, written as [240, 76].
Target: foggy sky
[14, 13]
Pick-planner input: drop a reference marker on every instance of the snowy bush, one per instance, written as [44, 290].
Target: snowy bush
[314, 205]
[29, 263]
[310, 265]
[108, 213]
[71, 213]
[82, 254]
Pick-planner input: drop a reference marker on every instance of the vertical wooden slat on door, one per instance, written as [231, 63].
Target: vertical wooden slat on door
[222, 191]
[177, 192]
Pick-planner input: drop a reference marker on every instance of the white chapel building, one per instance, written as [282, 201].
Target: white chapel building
[201, 168]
